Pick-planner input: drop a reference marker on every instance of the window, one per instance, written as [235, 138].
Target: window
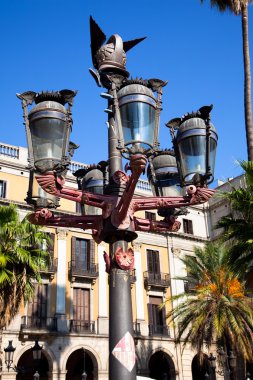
[3, 189]
[37, 307]
[83, 253]
[81, 311]
[150, 215]
[187, 226]
[153, 261]
[157, 318]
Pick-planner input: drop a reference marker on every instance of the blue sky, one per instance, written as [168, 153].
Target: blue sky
[45, 45]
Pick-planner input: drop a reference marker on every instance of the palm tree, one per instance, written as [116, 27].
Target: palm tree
[216, 307]
[238, 226]
[21, 259]
[241, 7]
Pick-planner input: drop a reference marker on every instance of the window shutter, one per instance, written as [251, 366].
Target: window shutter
[150, 260]
[156, 262]
[73, 249]
[91, 256]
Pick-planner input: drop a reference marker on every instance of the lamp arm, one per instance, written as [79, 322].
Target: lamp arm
[196, 195]
[53, 184]
[166, 225]
[137, 166]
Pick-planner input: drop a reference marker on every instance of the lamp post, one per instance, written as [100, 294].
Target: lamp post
[228, 363]
[9, 353]
[133, 110]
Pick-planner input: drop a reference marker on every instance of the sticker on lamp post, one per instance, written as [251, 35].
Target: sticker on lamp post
[124, 351]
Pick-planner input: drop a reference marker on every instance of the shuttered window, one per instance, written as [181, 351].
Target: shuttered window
[37, 307]
[153, 261]
[83, 253]
[157, 318]
[81, 304]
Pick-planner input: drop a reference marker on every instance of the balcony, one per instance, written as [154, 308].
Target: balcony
[38, 323]
[189, 286]
[137, 328]
[156, 280]
[79, 270]
[87, 327]
[51, 268]
[159, 330]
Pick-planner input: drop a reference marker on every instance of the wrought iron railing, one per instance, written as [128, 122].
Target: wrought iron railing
[77, 326]
[159, 330]
[156, 279]
[51, 267]
[80, 269]
[137, 328]
[46, 323]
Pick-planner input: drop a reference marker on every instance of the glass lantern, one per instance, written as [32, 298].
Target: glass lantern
[163, 175]
[137, 105]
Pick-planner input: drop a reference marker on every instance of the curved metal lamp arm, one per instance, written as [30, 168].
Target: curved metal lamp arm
[196, 195]
[166, 225]
[53, 184]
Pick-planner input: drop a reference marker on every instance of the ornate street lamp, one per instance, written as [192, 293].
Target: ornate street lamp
[48, 126]
[36, 350]
[133, 110]
[194, 139]
[9, 352]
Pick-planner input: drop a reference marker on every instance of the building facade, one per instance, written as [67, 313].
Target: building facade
[68, 314]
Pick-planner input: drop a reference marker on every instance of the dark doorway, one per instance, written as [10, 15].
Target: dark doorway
[161, 367]
[201, 367]
[77, 363]
[27, 367]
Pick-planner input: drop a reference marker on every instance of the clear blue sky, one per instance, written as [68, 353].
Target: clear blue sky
[45, 45]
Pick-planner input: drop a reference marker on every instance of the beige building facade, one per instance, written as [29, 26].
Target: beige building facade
[68, 314]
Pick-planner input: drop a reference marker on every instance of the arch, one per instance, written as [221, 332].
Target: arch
[93, 354]
[27, 366]
[79, 361]
[200, 367]
[161, 366]
[45, 351]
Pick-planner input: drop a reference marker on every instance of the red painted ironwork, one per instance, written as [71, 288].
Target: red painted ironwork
[125, 260]
[119, 210]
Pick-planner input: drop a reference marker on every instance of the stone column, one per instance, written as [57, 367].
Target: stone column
[103, 322]
[61, 280]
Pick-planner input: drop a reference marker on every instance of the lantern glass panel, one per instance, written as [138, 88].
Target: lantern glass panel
[47, 138]
[193, 156]
[138, 121]
[167, 183]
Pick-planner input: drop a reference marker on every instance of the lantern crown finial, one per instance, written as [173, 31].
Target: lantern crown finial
[112, 55]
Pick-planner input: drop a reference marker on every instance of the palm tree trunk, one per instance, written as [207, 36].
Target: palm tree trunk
[247, 83]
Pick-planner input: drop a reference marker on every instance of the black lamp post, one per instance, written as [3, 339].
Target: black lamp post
[228, 363]
[133, 110]
[9, 352]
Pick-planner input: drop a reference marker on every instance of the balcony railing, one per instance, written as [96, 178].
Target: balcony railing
[137, 328]
[79, 269]
[37, 323]
[51, 267]
[159, 330]
[77, 326]
[189, 286]
[161, 280]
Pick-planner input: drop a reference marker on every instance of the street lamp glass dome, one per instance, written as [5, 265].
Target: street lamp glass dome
[137, 105]
[49, 129]
[193, 150]
[163, 175]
